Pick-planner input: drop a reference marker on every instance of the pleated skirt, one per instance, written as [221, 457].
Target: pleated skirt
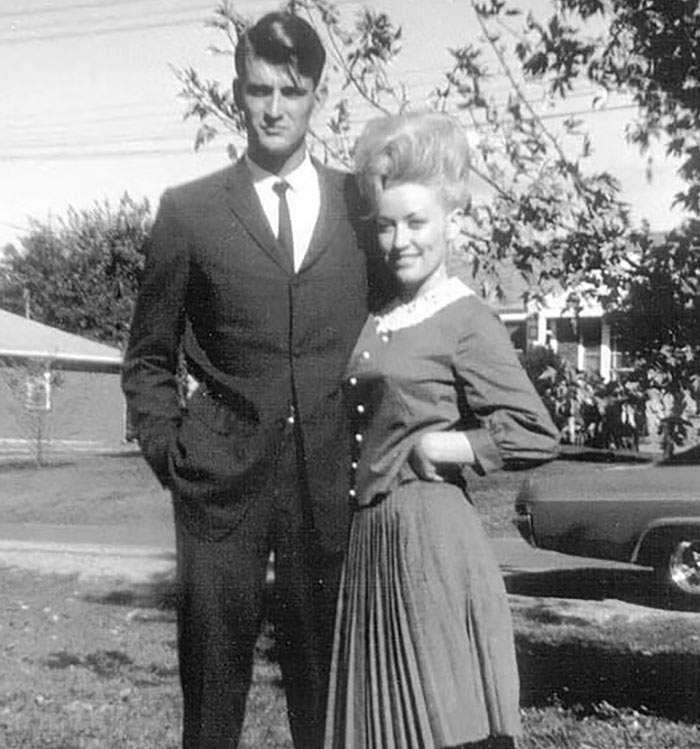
[423, 655]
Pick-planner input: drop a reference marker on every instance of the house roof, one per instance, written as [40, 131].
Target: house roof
[23, 340]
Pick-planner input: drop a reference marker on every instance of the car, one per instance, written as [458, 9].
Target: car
[645, 513]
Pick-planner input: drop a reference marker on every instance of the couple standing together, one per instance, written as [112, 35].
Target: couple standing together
[336, 405]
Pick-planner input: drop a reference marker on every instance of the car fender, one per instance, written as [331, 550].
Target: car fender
[657, 532]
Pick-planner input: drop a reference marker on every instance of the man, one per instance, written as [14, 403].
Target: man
[264, 288]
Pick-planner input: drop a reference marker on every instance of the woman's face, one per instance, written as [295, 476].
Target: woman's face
[415, 231]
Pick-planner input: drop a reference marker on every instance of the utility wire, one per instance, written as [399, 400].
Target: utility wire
[10, 42]
[96, 155]
[15, 152]
[88, 25]
[53, 10]
[60, 35]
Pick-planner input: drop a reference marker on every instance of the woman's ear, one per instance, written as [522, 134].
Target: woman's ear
[453, 224]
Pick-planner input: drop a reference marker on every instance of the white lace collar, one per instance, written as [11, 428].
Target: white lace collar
[399, 316]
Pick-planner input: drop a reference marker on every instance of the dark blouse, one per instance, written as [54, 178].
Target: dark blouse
[442, 362]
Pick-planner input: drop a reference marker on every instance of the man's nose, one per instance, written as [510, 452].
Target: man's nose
[274, 106]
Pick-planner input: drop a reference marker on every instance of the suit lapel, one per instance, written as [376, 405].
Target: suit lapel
[243, 201]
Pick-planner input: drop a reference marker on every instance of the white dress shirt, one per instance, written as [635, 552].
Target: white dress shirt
[303, 198]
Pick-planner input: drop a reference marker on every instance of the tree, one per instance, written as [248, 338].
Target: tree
[80, 273]
[650, 50]
[544, 212]
[540, 212]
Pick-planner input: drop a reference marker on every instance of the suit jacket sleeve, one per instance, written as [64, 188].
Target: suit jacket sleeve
[512, 426]
[149, 377]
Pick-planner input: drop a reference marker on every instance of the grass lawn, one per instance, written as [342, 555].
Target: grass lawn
[88, 669]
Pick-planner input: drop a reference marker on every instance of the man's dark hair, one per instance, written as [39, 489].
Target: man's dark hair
[282, 39]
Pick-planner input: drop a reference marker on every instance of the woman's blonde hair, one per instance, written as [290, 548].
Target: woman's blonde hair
[426, 148]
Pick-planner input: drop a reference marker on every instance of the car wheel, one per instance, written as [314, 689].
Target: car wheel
[680, 571]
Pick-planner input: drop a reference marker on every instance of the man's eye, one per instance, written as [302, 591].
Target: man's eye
[258, 91]
[384, 228]
[416, 223]
[293, 92]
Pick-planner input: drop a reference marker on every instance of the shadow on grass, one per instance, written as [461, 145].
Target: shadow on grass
[583, 672]
[571, 670]
[155, 600]
[631, 585]
[157, 593]
[582, 663]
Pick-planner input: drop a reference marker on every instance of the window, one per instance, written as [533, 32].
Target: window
[38, 392]
[589, 338]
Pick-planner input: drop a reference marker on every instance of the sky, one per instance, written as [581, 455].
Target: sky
[91, 108]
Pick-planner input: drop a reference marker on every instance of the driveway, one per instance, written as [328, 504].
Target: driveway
[111, 559]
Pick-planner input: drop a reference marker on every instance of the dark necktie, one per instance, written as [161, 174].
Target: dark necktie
[284, 231]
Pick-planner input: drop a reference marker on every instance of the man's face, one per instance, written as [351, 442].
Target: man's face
[277, 103]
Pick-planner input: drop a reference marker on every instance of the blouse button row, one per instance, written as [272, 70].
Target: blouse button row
[360, 410]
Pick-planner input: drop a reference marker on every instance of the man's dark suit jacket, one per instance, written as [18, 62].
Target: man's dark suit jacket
[258, 337]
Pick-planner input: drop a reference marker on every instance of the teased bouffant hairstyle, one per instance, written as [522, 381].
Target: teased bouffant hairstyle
[428, 148]
[282, 39]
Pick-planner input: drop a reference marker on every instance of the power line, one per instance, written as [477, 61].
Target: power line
[60, 35]
[98, 154]
[88, 25]
[98, 32]
[14, 153]
[42, 124]
[70, 8]
[82, 142]
[100, 4]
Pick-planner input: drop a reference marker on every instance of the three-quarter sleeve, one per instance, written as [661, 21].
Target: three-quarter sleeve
[508, 425]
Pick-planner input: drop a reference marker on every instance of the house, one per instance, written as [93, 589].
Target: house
[57, 390]
[580, 337]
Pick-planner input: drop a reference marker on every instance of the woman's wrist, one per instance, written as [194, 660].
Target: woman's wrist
[451, 448]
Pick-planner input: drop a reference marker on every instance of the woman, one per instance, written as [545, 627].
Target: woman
[423, 654]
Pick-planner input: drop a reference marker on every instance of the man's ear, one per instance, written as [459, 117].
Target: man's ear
[238, 92]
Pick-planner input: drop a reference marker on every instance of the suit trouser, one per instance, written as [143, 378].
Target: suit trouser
[221, 596]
